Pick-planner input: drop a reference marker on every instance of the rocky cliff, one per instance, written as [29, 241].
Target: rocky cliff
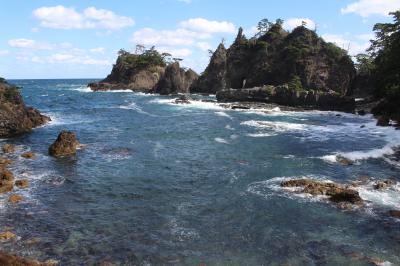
[146, 72]
[15, 117]
[275, 58]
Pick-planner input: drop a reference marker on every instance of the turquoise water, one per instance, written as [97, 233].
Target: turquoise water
[168, 184]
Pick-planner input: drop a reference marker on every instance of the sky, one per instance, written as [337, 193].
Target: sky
[80, 39]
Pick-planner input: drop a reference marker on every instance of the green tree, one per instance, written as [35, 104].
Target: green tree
[385, 50]
[263, 26]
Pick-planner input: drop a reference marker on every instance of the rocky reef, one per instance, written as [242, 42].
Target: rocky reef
[149, 72]
[283, 95]
[15, 117]
[65, 144]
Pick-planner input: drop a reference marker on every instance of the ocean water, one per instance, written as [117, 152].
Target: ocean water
[166, 184]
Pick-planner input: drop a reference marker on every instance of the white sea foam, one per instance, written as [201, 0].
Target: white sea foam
[58, 119]
[192, 104]
[229, 127]
[223, 114]
[134, 106]
[221, 140]
[260, 135]
[82, 89]
[275, 126]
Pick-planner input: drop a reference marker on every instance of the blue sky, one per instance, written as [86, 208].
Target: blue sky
[80, 39]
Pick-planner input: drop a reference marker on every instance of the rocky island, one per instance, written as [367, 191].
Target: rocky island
[15, 117]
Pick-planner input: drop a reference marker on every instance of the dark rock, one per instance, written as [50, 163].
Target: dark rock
[361, 112]
[394, 213]
[384, 184]
[66, 144]
[282, 95]
[213, 78]
[383, 121]
[22, 183]
[183, 99]
[362, 126]
[345, 162]
[175, 80]
[28, 155]
[15, 117]
[346, 195]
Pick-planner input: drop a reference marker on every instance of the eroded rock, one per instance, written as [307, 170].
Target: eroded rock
[14, 198]
[8, 148]
[29, 155]
[13, 260]
[22, 183]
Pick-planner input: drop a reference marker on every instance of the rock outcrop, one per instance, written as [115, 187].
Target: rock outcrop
[283, 95]
[175, 79]
[337, 193]
[15, 117]
[65, 145]
[148, 72]
[276, 58]
[13, 260]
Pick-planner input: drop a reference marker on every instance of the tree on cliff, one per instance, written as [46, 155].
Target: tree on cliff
[385, 51]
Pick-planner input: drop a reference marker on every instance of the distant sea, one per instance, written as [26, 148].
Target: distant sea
[161, 183]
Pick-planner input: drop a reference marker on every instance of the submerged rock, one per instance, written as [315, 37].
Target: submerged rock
[13, 260]
[28, 155]
[384, 184]
[14, 198]
[336, 192]
[4, 162]
[183, 99]
[22, 183]
[8, 148]
[6, 181]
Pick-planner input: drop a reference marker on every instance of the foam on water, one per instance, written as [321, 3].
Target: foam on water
[275, 126]
[221, 140]
[134, 106]
[82, 89]
[193, 104]
[223, 114]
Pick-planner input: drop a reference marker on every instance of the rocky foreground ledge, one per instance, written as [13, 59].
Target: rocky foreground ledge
[283, 95]
[15, 117]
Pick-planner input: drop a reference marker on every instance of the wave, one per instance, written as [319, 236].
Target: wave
[82, 89]
[223, 114]
[193, 104]
[134, 106]
[275, 126]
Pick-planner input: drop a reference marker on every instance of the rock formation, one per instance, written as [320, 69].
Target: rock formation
[276, 58]
[15, 117]
[146, 72]
[13, 260]
[65, 144]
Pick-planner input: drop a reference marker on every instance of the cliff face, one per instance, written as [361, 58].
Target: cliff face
[147, 72]
[15, 117]
[275, 59]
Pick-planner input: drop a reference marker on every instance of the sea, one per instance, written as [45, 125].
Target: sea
[160, 183]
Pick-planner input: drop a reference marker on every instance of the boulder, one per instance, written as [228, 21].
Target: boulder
[183, 99]
[7, 235]
[22, 183]
[6, 181]
[14, 198]
[65, 144]
[384, 184]
[346, 195]
[383, 121]
[4, 162]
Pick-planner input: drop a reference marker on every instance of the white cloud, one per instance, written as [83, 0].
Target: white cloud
[99, 50]
[292, 23]
[175, 52]
[75, 59]
[204, 46]
[22, 43]
[149, 36]
[60, 17]
[208, 26]
[365, 8]
[4, 52]
[353, 47]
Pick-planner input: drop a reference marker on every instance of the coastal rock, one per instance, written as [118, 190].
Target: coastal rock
[183, 99]
[6, 181]
[286, 96]
[345, 162]
[279, 57]
[22, 183]
[8, 148]
[213, 78]
[65, 144]
[337, 193]
[14, 198]
[146, 72]
[13, 260]
[383, 121]
[384, 184]
[4, 162]
[175, 80]
[28, 155]
[15, 117]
